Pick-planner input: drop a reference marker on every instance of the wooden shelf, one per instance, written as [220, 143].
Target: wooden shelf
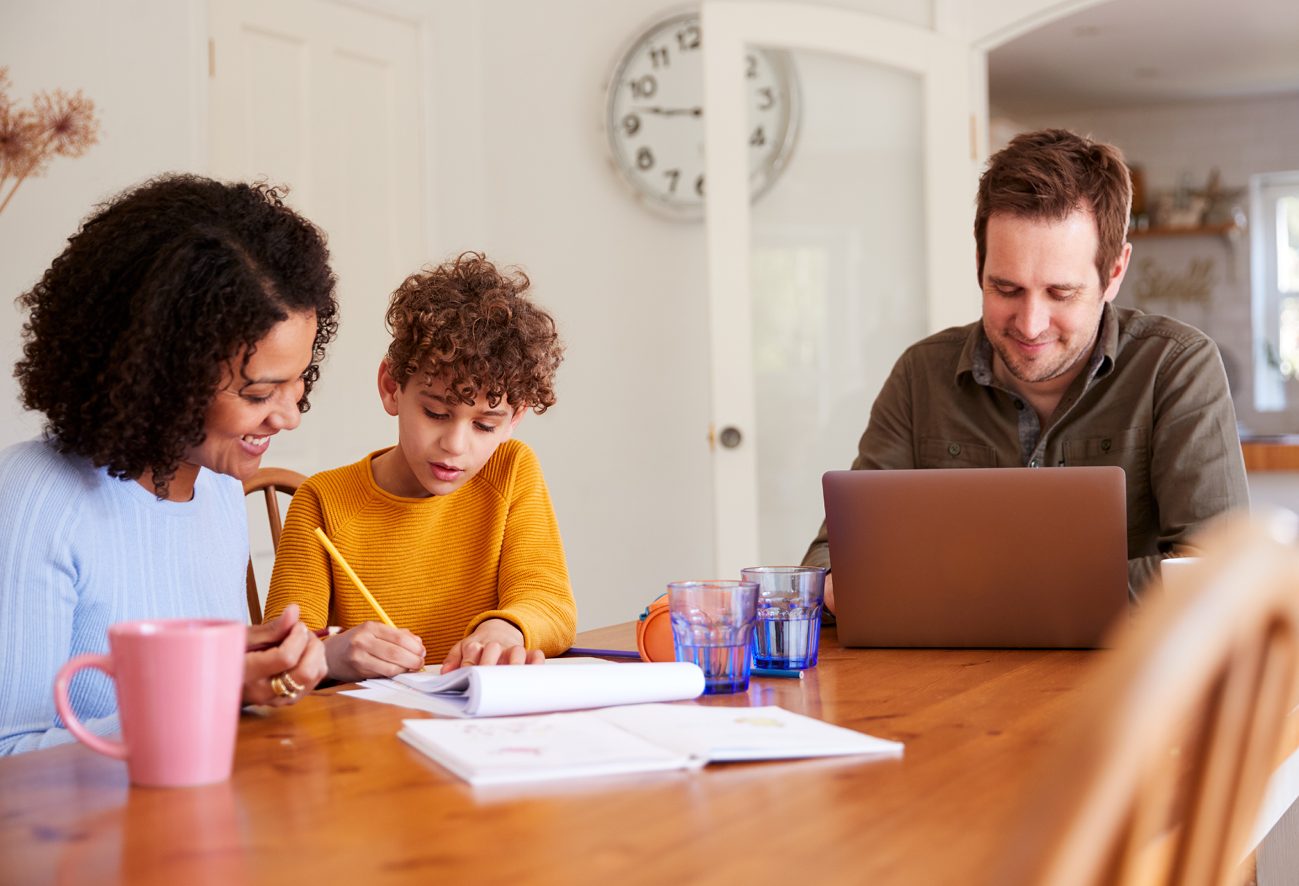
[1223, 229]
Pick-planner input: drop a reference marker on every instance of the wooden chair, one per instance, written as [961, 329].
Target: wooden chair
[270, 482]
[1160, 773]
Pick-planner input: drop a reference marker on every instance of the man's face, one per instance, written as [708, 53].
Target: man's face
[1042, 298]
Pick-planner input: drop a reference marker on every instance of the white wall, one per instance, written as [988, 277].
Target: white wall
[136, 60]
[518, 169]
[624, 451]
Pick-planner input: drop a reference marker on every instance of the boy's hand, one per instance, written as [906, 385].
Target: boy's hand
[493, 642]
[372, 649]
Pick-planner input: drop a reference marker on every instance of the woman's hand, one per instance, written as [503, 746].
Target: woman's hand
[293, 666]
[493, 642]
[372, 649]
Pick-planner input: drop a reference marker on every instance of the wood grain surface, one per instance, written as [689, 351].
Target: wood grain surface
[325, 791]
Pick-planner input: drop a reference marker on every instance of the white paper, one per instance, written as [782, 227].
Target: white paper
[511, 690]
[535, 748]
[721, 734]
[619, 740]
[578, 659]
[388, 692]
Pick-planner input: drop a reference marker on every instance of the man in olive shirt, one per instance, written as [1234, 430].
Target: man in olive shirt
[1055, 375]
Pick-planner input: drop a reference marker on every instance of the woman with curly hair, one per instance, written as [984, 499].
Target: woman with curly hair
[180, 329]
[451, 529]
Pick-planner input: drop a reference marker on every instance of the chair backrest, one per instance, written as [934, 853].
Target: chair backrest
[1160, 773]
[270, 482]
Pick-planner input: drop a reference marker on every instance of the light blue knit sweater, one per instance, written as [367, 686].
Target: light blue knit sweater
[79, 551]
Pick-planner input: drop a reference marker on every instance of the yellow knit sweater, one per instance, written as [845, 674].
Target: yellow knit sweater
[439, 566]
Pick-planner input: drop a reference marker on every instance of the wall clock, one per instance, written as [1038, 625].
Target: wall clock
[654, 116]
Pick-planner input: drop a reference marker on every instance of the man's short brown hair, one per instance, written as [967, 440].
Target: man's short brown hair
[469, 325]
[1047, 175]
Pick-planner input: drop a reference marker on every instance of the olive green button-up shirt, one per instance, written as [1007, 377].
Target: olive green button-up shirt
[1153, 400]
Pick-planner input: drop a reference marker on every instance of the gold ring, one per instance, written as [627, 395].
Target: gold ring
[294, 686]
[278, 687]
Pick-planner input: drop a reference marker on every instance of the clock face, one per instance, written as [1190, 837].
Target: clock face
[654, 116]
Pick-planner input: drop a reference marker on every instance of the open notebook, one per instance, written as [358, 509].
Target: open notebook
[634, 738]
[532, 689]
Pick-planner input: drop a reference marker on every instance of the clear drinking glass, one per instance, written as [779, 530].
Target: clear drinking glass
[712, 626]
[788, 631]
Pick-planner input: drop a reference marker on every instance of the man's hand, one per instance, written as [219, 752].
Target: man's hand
[372, 649]
[493, 642]
[829, 593]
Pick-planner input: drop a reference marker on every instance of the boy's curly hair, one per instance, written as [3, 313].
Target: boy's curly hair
[131, 326]
[469, 325]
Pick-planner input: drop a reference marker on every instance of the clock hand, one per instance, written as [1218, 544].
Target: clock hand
[671, 112]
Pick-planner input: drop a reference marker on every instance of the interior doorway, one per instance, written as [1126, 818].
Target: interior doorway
[329, 99]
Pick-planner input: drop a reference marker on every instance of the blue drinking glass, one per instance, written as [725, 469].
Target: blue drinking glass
[788, 631]
[712, 626]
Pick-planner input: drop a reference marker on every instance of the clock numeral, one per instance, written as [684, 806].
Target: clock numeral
[659, 56]
[672, 176]
[699, 185]
[631, 124]
[767, 98]
[750, 66]
[688, 37]
[643, 87]
[758, 139]
[644, 159]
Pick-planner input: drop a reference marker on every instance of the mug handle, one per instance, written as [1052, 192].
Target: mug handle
[107, 747]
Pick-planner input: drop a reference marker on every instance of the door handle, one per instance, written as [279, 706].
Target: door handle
[730, 437]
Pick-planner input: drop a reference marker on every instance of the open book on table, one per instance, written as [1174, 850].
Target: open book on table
[532, 689]
[635, 738]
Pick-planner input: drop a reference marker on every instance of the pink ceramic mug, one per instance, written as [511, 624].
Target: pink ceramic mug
[179, 682]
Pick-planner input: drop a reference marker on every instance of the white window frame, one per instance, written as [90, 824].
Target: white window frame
[1265, 191]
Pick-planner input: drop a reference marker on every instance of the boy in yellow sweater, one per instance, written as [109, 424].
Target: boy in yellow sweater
[452, 529]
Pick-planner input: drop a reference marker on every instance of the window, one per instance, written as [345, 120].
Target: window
[1274, 264]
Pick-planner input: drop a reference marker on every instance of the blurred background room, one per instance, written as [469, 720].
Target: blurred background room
[716, 366]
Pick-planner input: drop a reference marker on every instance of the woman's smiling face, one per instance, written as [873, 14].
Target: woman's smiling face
[256, 402]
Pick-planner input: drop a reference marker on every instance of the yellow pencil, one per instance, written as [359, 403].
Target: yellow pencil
[356, 579]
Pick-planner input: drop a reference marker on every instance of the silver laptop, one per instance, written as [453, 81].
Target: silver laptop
[984, 557]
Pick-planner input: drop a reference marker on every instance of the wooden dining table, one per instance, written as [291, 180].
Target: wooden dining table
[323, 791]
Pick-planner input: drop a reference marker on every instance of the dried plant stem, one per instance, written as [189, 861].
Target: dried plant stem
[26, 172]
[59, 124]
[10, 196]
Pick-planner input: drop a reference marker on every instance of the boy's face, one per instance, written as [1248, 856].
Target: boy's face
[440, 446]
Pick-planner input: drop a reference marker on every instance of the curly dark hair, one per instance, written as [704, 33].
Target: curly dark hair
[469, 325]
[1048, 174]
[132, 325]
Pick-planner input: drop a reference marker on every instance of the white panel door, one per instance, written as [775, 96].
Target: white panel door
[327, 98]
[861, 247]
